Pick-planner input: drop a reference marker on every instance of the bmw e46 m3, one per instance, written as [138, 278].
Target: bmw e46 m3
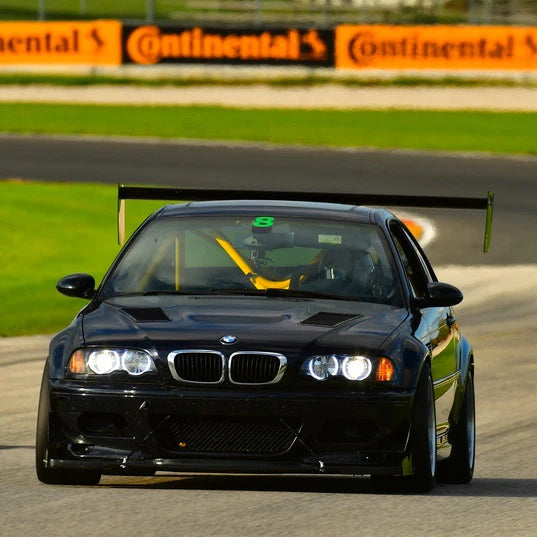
[274, 334]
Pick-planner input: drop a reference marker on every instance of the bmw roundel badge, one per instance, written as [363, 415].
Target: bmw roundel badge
[228, 340]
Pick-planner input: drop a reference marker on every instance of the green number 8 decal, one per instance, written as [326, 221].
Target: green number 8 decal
[263, 221]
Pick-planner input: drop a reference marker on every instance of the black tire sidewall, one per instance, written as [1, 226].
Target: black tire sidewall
[460, 465]
[54, 476]
[424, 478]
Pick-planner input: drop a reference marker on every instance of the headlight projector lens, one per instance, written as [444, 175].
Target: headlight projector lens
[322, 367]
[356, 367]
[136, 362]
[103, 362]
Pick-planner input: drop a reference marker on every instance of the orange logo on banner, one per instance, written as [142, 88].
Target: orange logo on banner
[436, 47]
[148, 44]
[89, 43]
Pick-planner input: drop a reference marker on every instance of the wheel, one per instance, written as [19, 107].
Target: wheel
[421, 450]
[54, 476]
[459, 467]
[422, 440]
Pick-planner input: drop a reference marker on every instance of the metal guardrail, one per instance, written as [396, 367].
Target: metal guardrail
[319, 12]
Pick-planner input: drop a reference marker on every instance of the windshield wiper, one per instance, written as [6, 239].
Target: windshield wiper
[236, 291]
[173, 292]
[295, 293]
[270, 292]
[280, 293]
[157, 293]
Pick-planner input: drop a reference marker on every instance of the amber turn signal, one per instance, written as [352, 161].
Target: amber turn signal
[77, 363]
[385, 370]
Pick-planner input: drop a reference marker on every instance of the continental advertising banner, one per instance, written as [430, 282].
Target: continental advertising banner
[276, 46]
[85, 43]
[436, 47]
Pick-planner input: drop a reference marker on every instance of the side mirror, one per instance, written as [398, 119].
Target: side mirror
[441, 295]
[78, 285]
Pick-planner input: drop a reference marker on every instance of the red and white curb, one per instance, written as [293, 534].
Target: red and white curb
[422, 228]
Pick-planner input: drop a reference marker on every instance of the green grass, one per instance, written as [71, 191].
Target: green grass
[427, 130]
[50, 230]
[71, 9]
[181, 10]
[300, 80]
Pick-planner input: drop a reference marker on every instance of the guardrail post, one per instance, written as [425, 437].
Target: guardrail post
[488, 11]
[258, 12]
[472, 12]
[326, 10]
[41, 10]
[150, 11]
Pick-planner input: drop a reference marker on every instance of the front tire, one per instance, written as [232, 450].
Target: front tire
[421, 448]
[422, 440]
[54, 476]
[459, 467]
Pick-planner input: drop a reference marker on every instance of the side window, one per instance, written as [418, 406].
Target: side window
[415, 267]
[426, 266]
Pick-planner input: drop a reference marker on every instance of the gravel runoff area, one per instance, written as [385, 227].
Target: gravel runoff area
[518, 94]
[265, 96]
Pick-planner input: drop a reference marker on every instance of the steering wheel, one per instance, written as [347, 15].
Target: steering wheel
[308, 272]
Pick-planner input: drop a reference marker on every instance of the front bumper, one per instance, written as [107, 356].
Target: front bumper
[227, 431]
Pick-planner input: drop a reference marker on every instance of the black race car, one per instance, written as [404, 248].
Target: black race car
[278, 334]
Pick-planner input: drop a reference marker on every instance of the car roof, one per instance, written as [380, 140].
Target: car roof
[288, 208]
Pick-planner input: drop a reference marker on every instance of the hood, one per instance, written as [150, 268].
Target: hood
[290, 326]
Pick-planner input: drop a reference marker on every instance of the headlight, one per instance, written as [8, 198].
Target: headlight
[322, 367]
[103, 362]
[356, 367]
[107, 361]
[136, 362]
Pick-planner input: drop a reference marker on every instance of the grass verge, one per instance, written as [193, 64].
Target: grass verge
[230, 12]
[50, 230]
[53, 79]
[496, 132]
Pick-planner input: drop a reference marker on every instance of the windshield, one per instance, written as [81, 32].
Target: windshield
[263, 255]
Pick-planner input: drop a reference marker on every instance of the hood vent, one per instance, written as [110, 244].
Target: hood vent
[237, 319]
[146, 315]
[330, 319]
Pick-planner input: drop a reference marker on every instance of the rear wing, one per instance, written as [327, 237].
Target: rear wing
[382, 200]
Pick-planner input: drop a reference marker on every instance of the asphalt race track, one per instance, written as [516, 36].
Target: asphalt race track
[499, 315]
